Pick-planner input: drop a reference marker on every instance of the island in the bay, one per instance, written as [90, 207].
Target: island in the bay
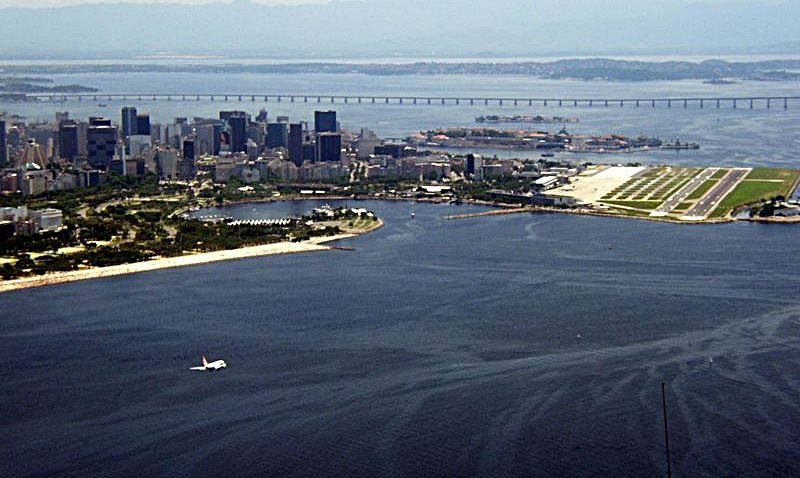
[96, 197]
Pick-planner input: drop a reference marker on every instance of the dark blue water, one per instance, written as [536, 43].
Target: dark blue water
[436, 348]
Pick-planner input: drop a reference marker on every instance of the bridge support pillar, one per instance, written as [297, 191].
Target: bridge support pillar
[373, 101]
[486, 102]
[501, 102]
[575, 103]
[515, 102]
[442, 100]
[685, 104]
[717, 104]
[669, 103]
[458, 101]
[786, 103]
[735, 103]
[702, 104]
[471, 102]
[653, 104]
[530, 103]
[751, 103]
[769, 103]
[637, 103]
[560, 103]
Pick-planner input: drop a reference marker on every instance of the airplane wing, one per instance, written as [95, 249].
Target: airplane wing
[200, 369]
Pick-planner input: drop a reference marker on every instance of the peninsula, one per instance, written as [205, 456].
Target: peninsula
[138, 226]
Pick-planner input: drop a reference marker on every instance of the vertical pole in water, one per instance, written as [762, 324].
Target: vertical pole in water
[666, 429]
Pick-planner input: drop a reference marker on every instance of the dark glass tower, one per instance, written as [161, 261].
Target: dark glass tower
[325, 122]
[296, 143]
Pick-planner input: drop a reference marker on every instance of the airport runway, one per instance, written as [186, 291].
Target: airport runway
[704, 206]
[677, 198]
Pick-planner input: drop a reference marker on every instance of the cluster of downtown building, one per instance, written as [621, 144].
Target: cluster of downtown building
[43, 157]
[40, 157]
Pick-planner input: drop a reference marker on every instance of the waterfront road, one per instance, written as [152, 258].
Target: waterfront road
[704, 206]
[677, 198]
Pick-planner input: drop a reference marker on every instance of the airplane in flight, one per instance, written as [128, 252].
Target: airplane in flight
[210, 366]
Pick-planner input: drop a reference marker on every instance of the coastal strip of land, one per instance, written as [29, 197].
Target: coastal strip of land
[583, 212]
[315, 244]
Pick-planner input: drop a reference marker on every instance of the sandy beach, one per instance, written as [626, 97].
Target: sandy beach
[312, 245]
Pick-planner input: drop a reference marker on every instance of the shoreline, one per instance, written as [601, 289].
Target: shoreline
[316, 244]
[588, 212]
[506, 208]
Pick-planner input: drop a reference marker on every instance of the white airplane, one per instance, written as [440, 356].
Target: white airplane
[210, 366]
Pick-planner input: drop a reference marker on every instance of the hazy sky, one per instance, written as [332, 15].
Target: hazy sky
[52, 3]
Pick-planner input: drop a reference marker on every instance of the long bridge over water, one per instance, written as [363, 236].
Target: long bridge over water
[746, 102]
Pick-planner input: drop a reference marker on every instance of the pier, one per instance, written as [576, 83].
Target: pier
[745, 102]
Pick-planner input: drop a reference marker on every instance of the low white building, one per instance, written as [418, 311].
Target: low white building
[47, 219]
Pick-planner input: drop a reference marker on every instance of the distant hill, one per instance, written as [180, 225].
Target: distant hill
[410, 27]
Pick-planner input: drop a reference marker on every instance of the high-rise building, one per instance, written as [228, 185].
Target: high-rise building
[237, 123]
[129, 121]
[329, 147]
[83, 138]
[3, 143]
[101, 142]
[99, 121]
[277, 135]
[143, 124]
[188, 148]
[295, 145]
[208, 138]
[188, 166]
[67, 140]
[325, 122]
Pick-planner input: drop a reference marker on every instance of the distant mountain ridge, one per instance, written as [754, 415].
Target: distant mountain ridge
[582, 69]
[386, 27]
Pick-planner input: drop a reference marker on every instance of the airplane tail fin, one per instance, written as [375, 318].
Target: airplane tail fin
[205, 362]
